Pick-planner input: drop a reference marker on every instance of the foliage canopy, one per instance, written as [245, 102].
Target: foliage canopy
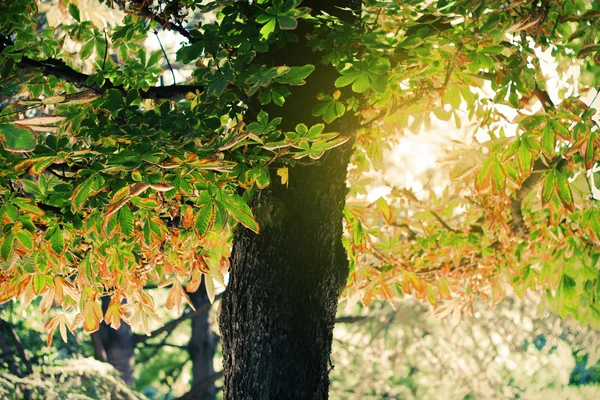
[109, 182]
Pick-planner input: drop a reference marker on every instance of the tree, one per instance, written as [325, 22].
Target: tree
[115, 183]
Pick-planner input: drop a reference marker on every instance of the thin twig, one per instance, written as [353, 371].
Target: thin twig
[171, 325]
[166, 57]
[105, 50]
[209, 380]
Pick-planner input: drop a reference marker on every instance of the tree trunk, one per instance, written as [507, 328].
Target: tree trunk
[277, 314]
[202, 347]
[116, 347]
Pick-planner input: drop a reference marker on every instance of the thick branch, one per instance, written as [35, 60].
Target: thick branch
[57, 68]
[18, 345]
[517, 223]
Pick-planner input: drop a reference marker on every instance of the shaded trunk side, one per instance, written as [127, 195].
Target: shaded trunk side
[278, 311]
[202, 347]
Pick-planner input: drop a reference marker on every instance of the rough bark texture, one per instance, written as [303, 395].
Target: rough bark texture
[202, 347]
[278, 311]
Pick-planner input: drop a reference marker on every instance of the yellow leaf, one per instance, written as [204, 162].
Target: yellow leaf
[40, 120]
[283, 173]
[113, 313]
[92, 316]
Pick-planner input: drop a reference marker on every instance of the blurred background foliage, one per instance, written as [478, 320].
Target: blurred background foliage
[513, 351]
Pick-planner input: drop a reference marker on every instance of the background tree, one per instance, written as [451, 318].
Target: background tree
[121, 183]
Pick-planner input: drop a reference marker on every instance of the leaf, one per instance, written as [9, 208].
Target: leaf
[210, 288]
[176, 293]
[53, 100]
[549, 185]
[87, 48]
[40, 120]
[296, 75]
[499, 176]
[525, 158]
[346, 79]
[548, 140]
[283, 173]
[126, 221]
[112, 316]
[287, 23]
[361, 83]
[564, 191]
[195, 281]
[204, 219]
[74, 11]
[268, 28]
[57, 242]
[25, 239]
[41, 164]
[59, 321]
[560, 128]
[81, 193]
[6, 248]
[16, 139]
[238, 209]
[92, 316]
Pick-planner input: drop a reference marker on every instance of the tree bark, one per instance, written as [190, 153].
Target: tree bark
[277, 314]
[115, 346]
[202, 346]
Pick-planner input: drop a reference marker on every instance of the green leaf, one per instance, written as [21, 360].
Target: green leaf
[16, 139]
[564, 191]
[238, 209]
[499, 177]
[25, 238]
[7, 246]
[315, 131]
[8, 213]
[55, 236]
[329, 109]
[41, 164]
[81, 193]
[126, 221]
[74, 11]
[87, 48]
[262, 178]
[560, 128]
[296, 75]
[346, 80]
[361, 83]
[268, 28]
[287, 23]
[548, 188]
[548, 140]
[204, 219]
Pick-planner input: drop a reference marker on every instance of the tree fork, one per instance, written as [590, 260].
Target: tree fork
[278, 312]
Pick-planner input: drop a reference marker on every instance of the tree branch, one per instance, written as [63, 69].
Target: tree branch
[192, 394]
[517, 223]
[169, 326]
[57, 68]
[18, 345]
[350, 319]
